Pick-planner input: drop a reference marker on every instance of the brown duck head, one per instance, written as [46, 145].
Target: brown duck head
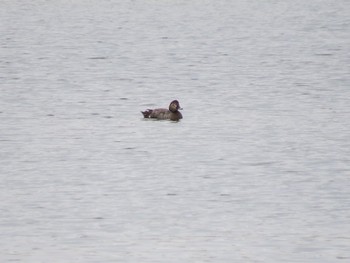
[174, 106]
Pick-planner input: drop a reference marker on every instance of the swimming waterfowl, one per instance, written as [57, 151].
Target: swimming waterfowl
[165, 114]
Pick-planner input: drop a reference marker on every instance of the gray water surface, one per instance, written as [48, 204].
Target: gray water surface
[257, 171]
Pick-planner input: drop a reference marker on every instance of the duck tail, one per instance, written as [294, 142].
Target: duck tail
[147, 113]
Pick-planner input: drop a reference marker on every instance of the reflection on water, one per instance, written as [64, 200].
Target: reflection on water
[257, 171]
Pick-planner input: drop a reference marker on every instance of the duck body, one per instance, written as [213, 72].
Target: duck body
[172, 113]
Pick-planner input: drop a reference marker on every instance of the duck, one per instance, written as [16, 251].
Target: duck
[172, 113]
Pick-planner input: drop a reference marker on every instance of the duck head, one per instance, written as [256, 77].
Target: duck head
[174, 106]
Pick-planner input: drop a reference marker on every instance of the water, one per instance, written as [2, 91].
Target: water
[257, 171]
